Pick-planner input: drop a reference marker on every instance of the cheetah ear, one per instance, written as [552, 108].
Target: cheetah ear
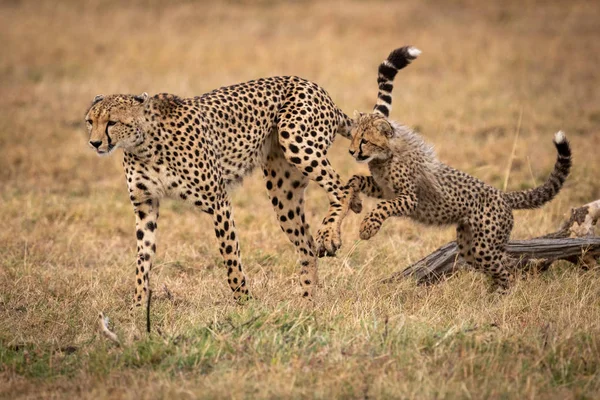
[98, 98]
[357, 114]
[142, 97]
[384, 127]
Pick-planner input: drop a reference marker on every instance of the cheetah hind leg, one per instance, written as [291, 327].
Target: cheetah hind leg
[311, 160]
[286, 186]
[502, 275]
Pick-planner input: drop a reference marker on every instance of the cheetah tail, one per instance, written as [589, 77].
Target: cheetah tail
[345, 125]
[540, 195]
[388, 69]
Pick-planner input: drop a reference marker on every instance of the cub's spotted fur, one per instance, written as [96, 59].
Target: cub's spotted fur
[196, 148]
[406, 173]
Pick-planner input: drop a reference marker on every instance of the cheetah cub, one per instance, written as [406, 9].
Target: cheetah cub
[414, 183]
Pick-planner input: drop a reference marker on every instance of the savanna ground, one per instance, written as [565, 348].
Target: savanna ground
[67, 242]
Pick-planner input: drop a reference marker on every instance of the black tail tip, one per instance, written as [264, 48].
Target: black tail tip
[401, 57]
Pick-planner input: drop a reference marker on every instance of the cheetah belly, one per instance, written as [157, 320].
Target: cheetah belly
[436, 209]
[240, 160]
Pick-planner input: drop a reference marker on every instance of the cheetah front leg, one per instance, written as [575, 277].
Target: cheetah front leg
[366, 185]
[146, 217]
[229, 246]
[404, 204]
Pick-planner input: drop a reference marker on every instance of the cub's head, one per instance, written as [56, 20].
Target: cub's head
[113, 121]
[370, 137]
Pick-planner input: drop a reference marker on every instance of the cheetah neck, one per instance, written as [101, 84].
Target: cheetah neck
[144, 145]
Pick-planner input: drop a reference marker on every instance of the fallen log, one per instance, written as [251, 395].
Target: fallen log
[574, 241]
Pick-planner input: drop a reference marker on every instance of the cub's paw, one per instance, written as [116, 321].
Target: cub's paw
[328, 241]
[369, 227]
[355, 202]
[498, 290]
[354, 195]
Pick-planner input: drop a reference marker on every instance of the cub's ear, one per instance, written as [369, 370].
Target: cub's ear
[142, 97]
[384, 127]
[98, 98]
[357, 114]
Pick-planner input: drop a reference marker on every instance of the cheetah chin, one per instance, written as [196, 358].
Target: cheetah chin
[364, 160]
[103, 153]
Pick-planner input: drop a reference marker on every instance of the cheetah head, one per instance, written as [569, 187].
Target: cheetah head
[370, 137]
[114, 121]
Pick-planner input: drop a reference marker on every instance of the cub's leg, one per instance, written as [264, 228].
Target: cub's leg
[366, 185]
[491, 232]
[286, 187]
[464, 239]
[397, 207]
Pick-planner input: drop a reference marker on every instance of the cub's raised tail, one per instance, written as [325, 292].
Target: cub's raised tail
[540, 195]
[388, 69]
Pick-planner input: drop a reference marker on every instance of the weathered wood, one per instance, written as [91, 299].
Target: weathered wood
[581, 222]
[573, 242]
[110, 335]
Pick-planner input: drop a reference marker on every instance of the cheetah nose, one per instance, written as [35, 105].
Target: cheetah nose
[351, 152]
[96, 143]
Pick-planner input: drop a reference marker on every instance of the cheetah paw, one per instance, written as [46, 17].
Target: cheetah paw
[369, 228]
[243, 299]
[328, 241]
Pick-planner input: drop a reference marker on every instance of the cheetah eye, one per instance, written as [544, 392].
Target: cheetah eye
[111, 123]
[88, 121]
[362, 141]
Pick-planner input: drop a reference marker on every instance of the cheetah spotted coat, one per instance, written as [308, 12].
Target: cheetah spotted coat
[196, 149]
[413, 183]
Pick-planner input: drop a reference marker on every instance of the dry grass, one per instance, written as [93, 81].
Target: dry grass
[67, 240]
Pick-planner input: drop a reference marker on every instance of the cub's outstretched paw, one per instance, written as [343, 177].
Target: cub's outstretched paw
[499, 290]
[354, 195]
[355, 202]
[328, 241]
[369, 227]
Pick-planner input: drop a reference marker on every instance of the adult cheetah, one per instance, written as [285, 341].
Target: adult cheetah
[406, 173]
[196, 148]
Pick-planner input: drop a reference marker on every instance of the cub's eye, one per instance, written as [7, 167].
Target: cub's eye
[88, 121]
[362, 141]
[111, 123]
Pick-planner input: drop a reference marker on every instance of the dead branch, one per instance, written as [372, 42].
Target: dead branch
[574, 241]
[106, 331]
[168, 292]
